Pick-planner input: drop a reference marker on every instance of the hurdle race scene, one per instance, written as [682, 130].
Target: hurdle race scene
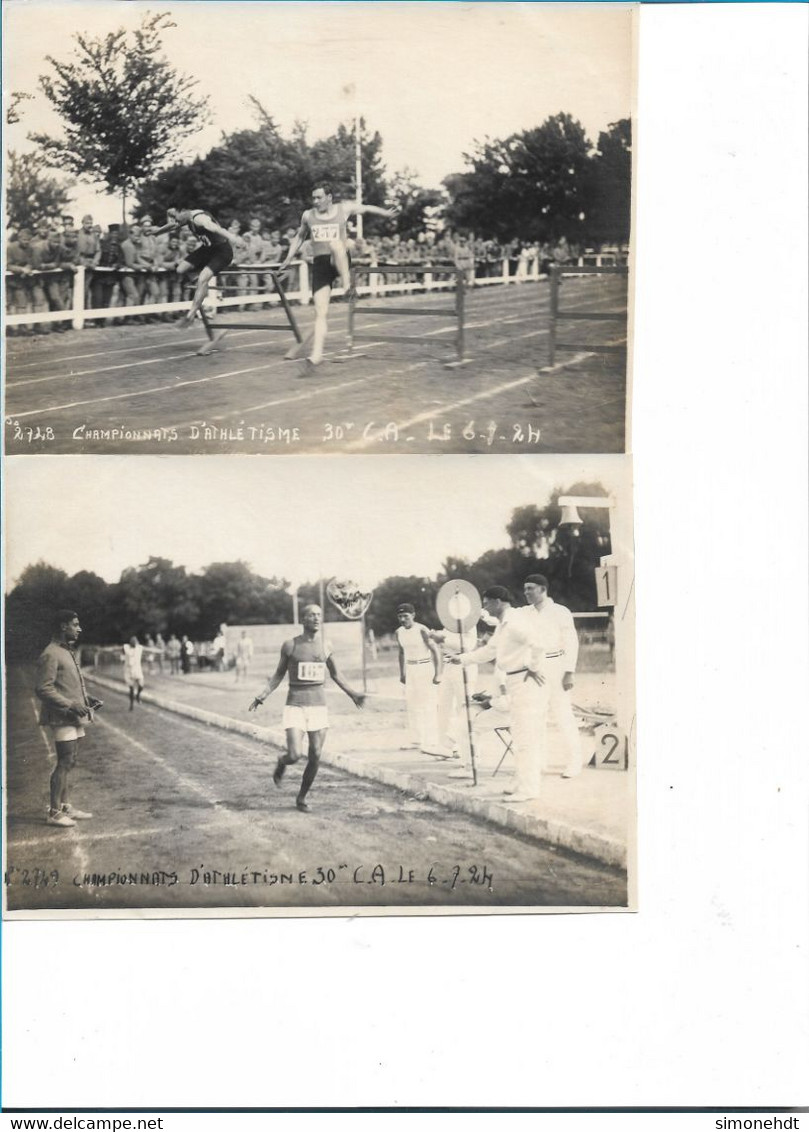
[243, 228]
[394, 703]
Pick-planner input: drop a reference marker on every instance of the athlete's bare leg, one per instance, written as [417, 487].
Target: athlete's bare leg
[65, 761]
[316, 739]
[296, 741]
[322, 298]
[201, 290]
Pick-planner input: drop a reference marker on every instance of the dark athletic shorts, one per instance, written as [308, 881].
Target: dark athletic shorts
[324, 273]
[211, 255]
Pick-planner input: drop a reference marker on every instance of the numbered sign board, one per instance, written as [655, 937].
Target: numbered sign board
[607, 584]
[609, 747]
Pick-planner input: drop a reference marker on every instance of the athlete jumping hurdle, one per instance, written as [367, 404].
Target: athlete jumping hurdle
[326, 226]
[305, 660]
[214, 253]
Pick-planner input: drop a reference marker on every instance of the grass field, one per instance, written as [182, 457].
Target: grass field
[143, 389]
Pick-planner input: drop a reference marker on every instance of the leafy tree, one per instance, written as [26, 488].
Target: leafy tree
[388, 595]
[30, 606]
[230, 592]
[124, 107]
[567, 555]
[31, 195]
[13, 115]
[610, 204]
[531, 185]
[157, 597]
[260, 171]
[416, 206]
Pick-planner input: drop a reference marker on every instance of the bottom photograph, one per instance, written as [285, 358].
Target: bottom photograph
[287, 686]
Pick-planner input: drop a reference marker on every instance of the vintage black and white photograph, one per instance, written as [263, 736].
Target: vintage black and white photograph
[272, 686]
[291, 228]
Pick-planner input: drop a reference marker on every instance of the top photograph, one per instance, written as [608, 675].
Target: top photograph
[270, 228]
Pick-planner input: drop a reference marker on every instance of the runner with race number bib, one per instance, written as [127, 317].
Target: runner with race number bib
[305, 660]
[326, 226]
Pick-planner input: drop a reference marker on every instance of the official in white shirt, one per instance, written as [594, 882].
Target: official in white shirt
[561, 643]
[452, 722]
[420, 669]
[518, 651]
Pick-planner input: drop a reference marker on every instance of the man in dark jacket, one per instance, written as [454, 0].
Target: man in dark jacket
[66, 707]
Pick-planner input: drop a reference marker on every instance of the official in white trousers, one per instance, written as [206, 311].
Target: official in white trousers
[420, 670]
[518, 651]
[557, 630]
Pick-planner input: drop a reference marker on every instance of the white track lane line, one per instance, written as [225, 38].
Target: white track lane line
[90, 838]
[143, 392]
[107, 353]
[530, 316]
[231, 817]
[438, 411]
[213, 377]
[507, 303]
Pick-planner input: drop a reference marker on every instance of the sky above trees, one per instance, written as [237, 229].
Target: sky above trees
[431, 78]
[288, 517]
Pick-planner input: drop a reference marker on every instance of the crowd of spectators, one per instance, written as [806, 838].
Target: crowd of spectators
[127, 265]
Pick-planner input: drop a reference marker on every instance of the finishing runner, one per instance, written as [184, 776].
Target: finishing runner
[305, 660]
[325, 226]
[214, 253]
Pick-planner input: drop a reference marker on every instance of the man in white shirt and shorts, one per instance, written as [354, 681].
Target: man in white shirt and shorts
[305, 661]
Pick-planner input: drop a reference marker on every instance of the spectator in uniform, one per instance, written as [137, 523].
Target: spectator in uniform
[89, 250]
[106, 286]
[20, 265]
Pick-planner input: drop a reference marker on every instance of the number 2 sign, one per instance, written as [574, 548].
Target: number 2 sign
[610, 748]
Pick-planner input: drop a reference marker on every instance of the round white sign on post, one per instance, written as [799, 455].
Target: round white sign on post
[458, 602]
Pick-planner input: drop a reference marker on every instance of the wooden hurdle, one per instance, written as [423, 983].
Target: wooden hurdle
[557, 271]
[456, 312]
[216, 331]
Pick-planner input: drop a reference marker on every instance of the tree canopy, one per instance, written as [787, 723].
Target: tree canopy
[124, 108]
[32, 195]
[546, 183]
[159, 597]
[259, 171]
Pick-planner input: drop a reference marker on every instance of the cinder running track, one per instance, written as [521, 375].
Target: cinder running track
[176, 803]
[142, 388]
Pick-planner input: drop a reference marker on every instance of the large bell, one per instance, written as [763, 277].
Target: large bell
[570, 515]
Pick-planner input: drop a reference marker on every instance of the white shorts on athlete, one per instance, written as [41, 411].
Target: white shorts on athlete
[312, 717]
[66, 733]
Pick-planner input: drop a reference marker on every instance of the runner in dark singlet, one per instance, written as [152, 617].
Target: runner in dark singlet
[214, 253]
[305, 660]
[325, 226]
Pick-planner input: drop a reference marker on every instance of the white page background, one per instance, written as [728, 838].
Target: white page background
[700, 998]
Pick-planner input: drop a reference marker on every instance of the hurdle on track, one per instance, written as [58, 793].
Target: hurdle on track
[216, 331]
[456, 312]
[557, 271]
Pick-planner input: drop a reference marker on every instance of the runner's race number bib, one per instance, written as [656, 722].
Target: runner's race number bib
[325, 233]
[313, 671]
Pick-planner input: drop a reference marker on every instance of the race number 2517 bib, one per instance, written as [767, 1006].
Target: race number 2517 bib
[325, 232]
[313, 671]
